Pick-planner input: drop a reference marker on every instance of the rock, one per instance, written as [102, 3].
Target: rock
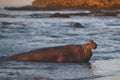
[67, 53]
[69, 4]
[77, 4]
[28, 8]
[60, 15]
[100, 13]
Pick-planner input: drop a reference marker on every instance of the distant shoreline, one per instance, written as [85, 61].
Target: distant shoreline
[92, 12]
[32, 8]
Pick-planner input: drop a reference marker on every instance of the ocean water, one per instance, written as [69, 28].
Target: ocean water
[21, 32]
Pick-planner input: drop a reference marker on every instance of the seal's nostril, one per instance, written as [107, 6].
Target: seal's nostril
[87, 44]
[95, 46]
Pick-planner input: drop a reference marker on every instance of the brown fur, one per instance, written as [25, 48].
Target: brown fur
[75, 24]
[68, 53]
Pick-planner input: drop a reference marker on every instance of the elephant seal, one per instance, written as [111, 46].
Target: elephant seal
[67, 53]
[75, 24]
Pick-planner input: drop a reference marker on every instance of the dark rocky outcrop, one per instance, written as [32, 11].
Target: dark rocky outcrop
[60, 15]
[69, 4]
[23, 8]
[61, 4]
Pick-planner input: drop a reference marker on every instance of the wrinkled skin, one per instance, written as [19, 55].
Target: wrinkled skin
[68, 53]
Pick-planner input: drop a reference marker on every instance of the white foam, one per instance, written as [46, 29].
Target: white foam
[97, 24]
[112, 26]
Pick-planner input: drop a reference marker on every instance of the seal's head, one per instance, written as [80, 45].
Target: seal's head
[91, 44]
[70, 22]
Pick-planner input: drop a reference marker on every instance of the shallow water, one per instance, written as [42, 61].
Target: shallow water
[26, 33]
